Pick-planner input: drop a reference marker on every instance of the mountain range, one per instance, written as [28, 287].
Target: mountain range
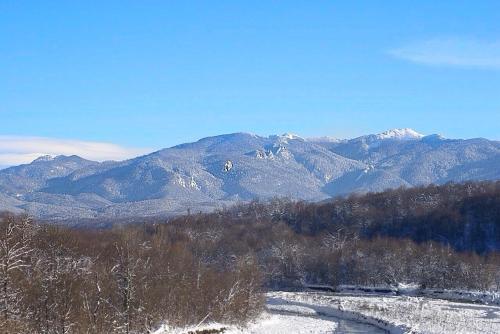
[223, 170]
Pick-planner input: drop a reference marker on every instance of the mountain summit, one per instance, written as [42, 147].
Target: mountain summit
[223, 170]
[405, 133]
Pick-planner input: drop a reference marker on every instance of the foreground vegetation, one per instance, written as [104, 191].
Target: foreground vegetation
[195, 268]
[57, 280]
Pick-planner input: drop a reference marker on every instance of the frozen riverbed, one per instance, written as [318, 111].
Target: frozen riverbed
[285, 316]
[288, 317]
[403, 314]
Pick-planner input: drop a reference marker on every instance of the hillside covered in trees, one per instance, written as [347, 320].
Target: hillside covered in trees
[464, 216]
[185, 270]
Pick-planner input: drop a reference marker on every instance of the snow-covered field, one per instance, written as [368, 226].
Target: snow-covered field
[317, 313]
[268, 323]
[404, 314]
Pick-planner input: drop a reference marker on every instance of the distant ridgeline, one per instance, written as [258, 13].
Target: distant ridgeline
[220, 171]
[465, 216]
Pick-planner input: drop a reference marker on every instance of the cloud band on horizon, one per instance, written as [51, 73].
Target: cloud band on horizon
[453, 52]
[15, 150]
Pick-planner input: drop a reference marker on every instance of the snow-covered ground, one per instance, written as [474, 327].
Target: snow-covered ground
[412, 290]
[405, 314]
[318, 313]
[268, 323]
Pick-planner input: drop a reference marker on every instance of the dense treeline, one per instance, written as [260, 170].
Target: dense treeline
[58, 280]
[465, 216]
[194, 268]
[335, 254]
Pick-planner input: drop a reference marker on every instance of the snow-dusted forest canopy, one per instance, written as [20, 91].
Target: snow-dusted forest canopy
[199, 267]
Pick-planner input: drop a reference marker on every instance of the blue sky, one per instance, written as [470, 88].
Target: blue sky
[152, 74]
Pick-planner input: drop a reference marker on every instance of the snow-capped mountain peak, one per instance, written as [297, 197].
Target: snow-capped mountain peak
[405, 134]
[284, 138]
[290, 136]
[46, 157]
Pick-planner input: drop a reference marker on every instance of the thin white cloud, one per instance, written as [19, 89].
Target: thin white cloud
[16, 150]
[468, 53]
